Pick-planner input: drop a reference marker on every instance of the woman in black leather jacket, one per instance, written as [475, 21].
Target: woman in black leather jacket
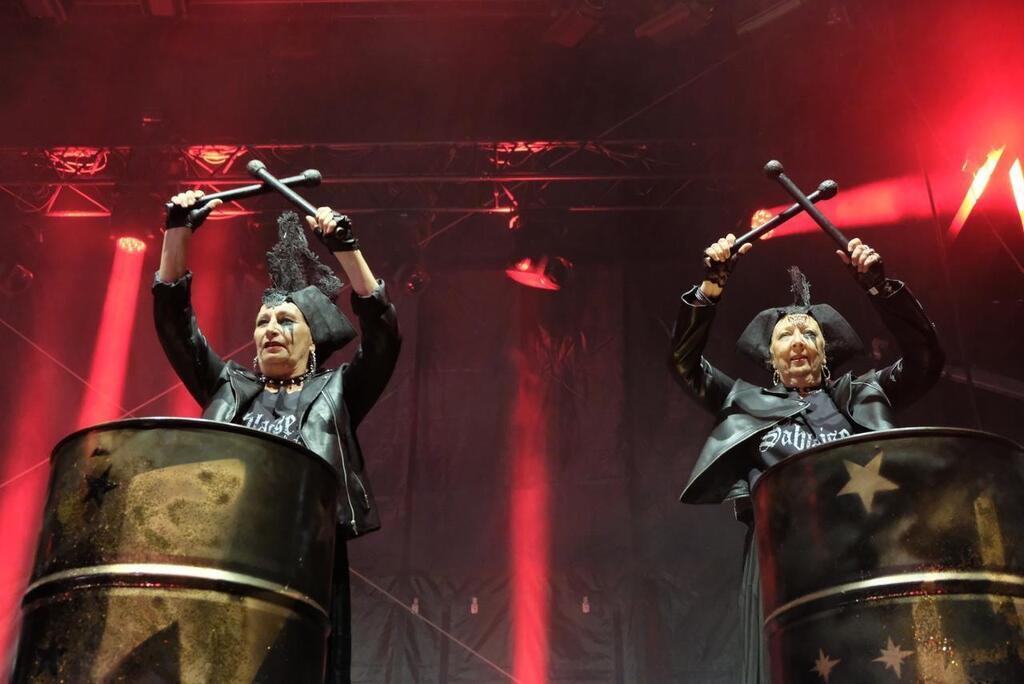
[804, 404]
[286, 393]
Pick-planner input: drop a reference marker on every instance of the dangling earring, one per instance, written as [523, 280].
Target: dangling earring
[776, 378]
[312, 361]
[826, 374]
[256, 363]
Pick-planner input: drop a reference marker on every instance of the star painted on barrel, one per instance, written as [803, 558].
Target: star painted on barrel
[892, 657]
[866, 481]
[824, 665]
[98, 486]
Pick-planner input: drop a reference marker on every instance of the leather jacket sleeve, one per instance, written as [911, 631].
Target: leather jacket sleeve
[705, 383]
[923, 358]
[189, 353]
[380, 341]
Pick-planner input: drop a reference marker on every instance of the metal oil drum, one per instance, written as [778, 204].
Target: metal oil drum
[895, 556]
[177, 550]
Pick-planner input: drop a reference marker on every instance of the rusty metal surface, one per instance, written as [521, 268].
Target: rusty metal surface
[214, 540]
[895, 555]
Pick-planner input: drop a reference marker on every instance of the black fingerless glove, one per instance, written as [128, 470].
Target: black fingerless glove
[873, 280]
[342, 239]
[187, 217]
[718, 272]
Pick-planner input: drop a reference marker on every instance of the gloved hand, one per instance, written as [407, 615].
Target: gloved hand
[719, 260]
[866, 264]
[334, 230]
[182, 215]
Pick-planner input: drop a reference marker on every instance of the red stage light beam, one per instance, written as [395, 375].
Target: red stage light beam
[1017, 183]
[978, 185]
[530, 531]
[113, 339]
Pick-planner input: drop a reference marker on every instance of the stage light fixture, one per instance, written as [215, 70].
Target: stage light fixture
[130, 244]
[78, 161]
[214, 155]
[541, 272]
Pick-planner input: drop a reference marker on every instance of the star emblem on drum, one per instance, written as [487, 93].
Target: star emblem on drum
[98, 487]
[867, 481]
[824, 665]
[892, 657]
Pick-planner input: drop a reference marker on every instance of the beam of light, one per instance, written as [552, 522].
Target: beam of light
[1017, 183]
[875, 204]
[113, 340]
[31, 428]
[529, 533]
[981, 179]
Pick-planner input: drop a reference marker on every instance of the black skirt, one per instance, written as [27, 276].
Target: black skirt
[754, 667]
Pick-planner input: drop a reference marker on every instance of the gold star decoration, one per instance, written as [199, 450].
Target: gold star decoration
[892, 657]
[823, 665]
[866, 481]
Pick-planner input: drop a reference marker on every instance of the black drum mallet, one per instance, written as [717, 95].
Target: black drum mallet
[310, 178]
[827, 190]
[258, 169]
[774, 169]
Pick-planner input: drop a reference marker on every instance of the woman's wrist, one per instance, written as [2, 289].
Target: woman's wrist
[710, 289]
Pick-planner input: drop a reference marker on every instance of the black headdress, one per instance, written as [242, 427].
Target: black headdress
[841, 341]
[299, 277]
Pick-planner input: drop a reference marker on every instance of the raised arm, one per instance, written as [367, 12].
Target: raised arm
[197, 365]
[922, 359]
[380, 341]
[695, 374]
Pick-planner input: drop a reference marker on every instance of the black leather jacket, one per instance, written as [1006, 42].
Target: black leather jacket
[331, 404]
[744, 410]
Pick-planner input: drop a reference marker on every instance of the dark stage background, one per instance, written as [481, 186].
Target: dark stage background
[528, 454]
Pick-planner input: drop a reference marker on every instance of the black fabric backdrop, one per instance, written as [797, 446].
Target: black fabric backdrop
[659, 578]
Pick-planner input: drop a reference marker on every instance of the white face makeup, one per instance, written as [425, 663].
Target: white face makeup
[283, 341]
[798, 350]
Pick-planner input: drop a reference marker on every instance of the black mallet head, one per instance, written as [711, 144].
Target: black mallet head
[773, 169]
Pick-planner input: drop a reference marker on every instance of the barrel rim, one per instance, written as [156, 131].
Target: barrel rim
[921, 430]
[153, 422]
[141, 573]
[897, 582]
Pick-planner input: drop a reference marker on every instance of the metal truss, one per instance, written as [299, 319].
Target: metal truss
[443, 177]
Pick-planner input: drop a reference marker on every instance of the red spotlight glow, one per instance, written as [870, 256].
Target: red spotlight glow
[1017, 183]
[529, 524]
[542, 273]
[761, 217]
[879, 203]
[978, 185]
[132, 245]
[113, 341]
